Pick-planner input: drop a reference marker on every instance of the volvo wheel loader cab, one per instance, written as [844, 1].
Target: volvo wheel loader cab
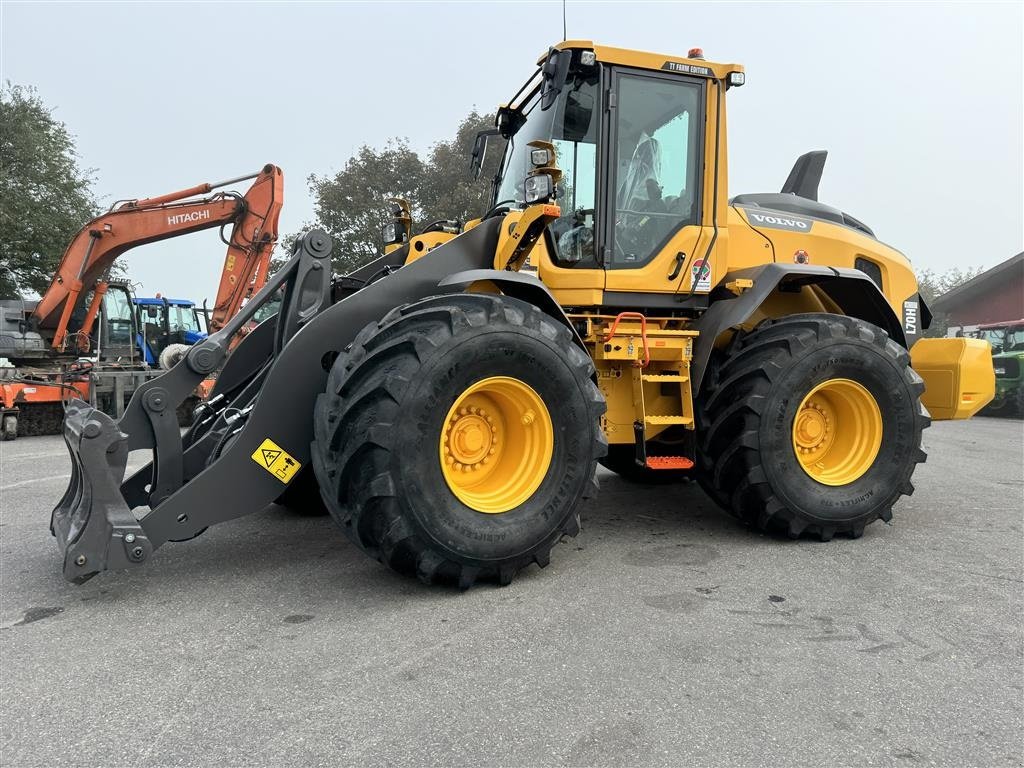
[450, 410]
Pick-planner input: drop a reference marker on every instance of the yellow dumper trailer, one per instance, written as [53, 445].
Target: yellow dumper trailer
[450, 411]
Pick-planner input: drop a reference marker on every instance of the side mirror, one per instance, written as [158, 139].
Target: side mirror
[554, 73]
[579, 110]
[476, 160]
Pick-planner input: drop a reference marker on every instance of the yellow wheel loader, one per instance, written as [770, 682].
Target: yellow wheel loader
[450, 411]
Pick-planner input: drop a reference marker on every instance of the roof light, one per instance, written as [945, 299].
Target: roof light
[696, 53]
[737, 79]
[588, 58]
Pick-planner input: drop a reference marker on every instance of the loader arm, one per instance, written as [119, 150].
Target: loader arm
[212, 475]
[87, 261]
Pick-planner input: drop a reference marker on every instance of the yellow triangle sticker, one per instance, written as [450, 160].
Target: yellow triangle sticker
[276, 460]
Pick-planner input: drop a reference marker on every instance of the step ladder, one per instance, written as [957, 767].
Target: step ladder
[673, 367]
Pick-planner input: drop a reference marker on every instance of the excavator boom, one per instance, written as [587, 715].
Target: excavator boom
[87, 261]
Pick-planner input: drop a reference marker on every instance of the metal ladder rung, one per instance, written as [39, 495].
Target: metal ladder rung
[685, 420]
[665, 377]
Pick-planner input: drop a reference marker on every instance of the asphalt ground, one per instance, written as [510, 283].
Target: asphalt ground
[663, 635]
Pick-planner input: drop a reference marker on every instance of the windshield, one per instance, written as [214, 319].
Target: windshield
[1014, 340]
[118, 310]
[182, 318]
[570, 125]
[1002, 339]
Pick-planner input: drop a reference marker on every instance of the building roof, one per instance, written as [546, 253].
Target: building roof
[976, 286]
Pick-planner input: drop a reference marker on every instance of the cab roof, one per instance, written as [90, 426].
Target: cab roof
[172, 302]
[647, 59]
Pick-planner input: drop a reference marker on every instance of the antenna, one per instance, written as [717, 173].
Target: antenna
[564, 36]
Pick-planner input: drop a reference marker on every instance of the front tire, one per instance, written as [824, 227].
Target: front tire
[458, 436]
[812, 424]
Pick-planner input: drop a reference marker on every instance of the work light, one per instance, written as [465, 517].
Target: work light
[541, 157]
[538, 188]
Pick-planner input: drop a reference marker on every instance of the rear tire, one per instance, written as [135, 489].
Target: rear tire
[10, 427]
[749, 458]
[378, 437]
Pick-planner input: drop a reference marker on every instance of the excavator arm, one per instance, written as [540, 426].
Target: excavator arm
[87, 261]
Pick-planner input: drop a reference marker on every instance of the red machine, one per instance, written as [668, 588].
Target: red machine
[52, 334]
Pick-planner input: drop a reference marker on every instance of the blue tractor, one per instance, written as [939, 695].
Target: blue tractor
[167, 328]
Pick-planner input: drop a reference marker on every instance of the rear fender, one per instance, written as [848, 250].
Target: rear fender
[851, 290]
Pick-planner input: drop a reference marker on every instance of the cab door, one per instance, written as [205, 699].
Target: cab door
[652, 235]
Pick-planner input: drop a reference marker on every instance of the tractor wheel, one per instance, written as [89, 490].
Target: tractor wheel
[10, 427]
[172, 355]
[458, 436]
[813, 424]
[621, 460]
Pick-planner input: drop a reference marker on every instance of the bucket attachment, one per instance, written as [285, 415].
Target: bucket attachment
[95, 522]
[94, 527]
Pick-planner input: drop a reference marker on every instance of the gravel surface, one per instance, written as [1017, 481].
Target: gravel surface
[663, 635]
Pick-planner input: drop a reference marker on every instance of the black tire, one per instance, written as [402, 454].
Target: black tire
[621, 459]
[302, 496]
[746, 457]
[10, 427]
[377, 431]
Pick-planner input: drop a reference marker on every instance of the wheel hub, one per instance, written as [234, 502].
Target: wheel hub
[496, 444]
[813, 427]
[837, 432]
[471, 438]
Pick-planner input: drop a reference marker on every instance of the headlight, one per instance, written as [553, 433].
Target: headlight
[390, 233]
[538, 188]
[541, 157]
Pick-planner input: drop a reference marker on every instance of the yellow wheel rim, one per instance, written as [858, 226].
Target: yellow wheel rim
[837, 432]
[496, 444]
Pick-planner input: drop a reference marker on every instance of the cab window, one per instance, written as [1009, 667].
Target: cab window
[657, 161]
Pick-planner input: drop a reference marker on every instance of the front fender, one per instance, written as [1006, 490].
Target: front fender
[520, 286]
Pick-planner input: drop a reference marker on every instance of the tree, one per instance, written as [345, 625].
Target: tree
[46, 197]
[352, 205]
[932, 284]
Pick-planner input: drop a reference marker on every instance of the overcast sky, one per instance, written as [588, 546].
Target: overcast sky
[919, 104]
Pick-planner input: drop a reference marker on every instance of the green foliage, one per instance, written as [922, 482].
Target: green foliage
[45, 198]
[352, 205]
[932, 284]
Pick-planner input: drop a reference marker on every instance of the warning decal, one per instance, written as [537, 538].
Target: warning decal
[276, 460]
[701, 272]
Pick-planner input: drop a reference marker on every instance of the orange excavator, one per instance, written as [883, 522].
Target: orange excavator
[60, 329]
